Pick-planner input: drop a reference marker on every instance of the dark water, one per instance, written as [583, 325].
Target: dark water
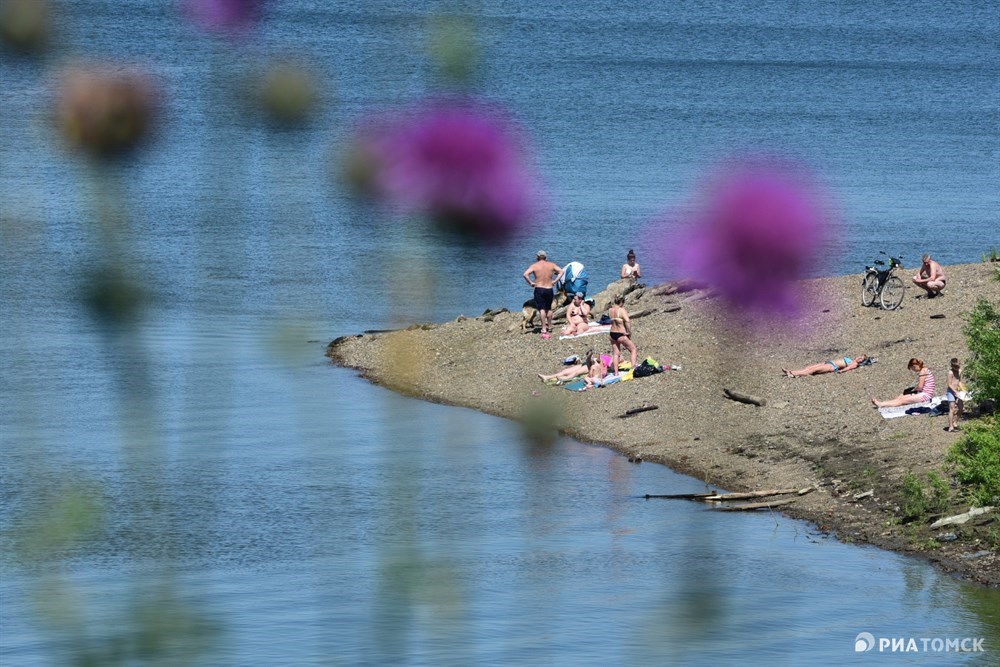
[296, 515]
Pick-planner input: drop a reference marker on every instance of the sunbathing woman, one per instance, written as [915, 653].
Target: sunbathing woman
[568, 373]
[577, 316]
[924, 391]
[621, 332]
[838, 365]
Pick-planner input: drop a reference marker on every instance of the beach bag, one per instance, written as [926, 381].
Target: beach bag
[648, 367]
[605, 319]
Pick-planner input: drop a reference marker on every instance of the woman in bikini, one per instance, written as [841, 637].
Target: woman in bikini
[924, 391]
[630, 269]
[570, 372]
[577, 316]
[838, 365]
[621, 332]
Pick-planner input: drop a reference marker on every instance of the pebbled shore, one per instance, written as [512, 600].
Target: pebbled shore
[817, 431]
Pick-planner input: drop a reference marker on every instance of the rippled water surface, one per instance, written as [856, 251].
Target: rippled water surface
[229, 487]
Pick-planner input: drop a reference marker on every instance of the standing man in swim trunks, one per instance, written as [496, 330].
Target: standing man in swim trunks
[930, 278]
[542, 275]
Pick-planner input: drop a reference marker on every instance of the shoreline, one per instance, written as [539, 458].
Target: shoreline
[818, 431]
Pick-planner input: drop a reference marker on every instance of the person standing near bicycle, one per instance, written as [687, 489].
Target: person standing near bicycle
[930, 278]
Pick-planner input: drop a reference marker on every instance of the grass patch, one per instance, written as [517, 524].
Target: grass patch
[975, 458]
[920, 500]
[982, 333]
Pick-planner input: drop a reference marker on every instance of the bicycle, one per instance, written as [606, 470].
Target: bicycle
[880, 283]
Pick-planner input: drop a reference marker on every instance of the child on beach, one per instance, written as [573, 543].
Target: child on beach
[955, 394]
[598, 370]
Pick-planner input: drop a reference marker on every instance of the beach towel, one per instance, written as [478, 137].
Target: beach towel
[580, 385]
[594, 329]
[927, 407]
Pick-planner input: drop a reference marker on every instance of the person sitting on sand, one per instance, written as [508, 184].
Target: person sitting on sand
[956, 390]
[577, 316]
[568, 373]
[922, 392]
[621, 332]
[838, 365]
[930, 278]
[630, 269]
[597, 371]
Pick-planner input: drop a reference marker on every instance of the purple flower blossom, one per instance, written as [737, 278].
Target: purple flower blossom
[459, 163]
[226, 16]
[105, 112]
[759, 231]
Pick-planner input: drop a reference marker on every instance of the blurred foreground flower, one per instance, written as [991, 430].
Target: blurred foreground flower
[454, 49]
[758, 232]
[461, 164]
[234, 17]
[25, 25]
[112, 297]
[288, 93]
[106, 112]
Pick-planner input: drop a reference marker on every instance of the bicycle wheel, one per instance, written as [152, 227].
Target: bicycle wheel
[892, 293]
[869, 290]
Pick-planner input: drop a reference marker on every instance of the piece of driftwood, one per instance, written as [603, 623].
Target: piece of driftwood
[961, 518]
[757, 506]
[641, 313]
[743, 398]
[715, 496]
[866, 494]
[672, 308]
[751, 494]
[683, 496]
[635, 411]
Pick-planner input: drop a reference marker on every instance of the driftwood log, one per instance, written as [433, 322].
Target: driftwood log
[715, 496]
[743, 398]
[758, 494]
[757, 506]
[961, 518]
[635, 411]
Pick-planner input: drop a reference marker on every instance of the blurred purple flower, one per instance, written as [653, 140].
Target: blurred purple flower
[758, 233]
[460, 163]
[105, 112]
[226, 16]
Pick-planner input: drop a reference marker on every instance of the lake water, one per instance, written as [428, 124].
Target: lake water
[234, 498]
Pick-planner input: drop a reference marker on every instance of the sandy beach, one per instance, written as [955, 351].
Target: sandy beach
[820, 432]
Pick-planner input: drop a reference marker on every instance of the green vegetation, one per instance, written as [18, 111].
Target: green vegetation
[919, 501]
[976, 461]
[993, 255]
[982, 332]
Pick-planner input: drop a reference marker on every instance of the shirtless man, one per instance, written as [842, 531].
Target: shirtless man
[930, 278]
[577, 316]
[542, 275]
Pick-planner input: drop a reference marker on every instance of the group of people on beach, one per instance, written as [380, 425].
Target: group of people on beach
[932, 280]
[543, 276]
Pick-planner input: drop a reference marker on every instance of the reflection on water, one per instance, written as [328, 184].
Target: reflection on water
[388, 531]
[201, 487]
